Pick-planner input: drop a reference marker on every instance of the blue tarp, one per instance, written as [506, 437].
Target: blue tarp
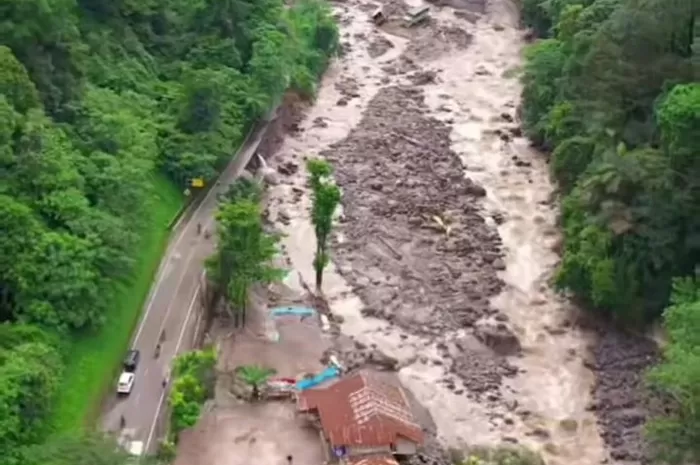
[325, 375]
[296, 311]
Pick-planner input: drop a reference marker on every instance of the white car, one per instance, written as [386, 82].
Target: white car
[126, 382]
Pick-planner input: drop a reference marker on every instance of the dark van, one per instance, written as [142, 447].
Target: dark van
[131, 361]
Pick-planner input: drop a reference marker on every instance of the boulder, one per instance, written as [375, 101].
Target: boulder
[382, 360]
[270, 177]
[498, 337]
[288, 168]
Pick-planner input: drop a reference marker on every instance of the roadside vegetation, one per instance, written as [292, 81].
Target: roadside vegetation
[502, 455]
[244, 250]
[108, 111]
[612, 92]
[192, 385]
[92, 449]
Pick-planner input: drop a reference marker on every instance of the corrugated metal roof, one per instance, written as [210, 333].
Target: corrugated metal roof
[361, 410]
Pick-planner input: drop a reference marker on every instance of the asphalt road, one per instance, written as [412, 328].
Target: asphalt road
[173, 307]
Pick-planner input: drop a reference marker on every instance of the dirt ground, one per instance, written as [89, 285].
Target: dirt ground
[299, 349]
[251, 434]
[620, 396]
[235, 432]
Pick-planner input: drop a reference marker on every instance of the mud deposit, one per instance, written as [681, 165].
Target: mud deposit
[412, 271]
[448, 239]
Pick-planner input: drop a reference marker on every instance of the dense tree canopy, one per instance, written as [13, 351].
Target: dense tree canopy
[612, 91]
[96, 98]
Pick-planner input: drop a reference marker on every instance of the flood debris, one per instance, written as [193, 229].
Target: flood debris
[378, 16]
[416, 16]
[445, 280]
[620, 395]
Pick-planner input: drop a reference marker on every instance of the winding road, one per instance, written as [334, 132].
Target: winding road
[173, 306]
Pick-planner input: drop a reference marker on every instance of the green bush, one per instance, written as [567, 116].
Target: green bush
[502, 455]
[192, 384]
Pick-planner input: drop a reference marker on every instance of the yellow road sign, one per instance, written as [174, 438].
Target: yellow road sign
[197, 182]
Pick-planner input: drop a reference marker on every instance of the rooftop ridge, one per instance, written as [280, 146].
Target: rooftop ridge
[368, 402]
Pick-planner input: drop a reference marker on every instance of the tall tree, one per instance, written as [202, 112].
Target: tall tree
[244, 254]
[326, 197]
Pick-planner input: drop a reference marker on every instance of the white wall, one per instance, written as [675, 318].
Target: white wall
[405, 447]
[359, 450]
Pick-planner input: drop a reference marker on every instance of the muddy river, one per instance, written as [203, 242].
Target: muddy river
[447, 239]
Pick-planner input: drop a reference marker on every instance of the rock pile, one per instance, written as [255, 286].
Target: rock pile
[620, 361]
[498, 337]
[479, 370]
[415, 247]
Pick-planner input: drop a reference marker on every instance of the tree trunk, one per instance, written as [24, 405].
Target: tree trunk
[319, 277]
[318, 265]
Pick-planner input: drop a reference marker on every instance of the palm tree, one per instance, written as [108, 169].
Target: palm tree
[254, 376]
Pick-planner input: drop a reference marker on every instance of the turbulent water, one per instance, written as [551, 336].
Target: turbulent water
[473, 57]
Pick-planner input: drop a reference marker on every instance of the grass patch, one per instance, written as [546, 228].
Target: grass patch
[499, 455]
[94, 359]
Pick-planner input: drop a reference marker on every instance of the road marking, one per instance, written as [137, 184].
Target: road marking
[177, 347]
[213, 189]
[189, 313]
[174, 296]
[196, 328]
[174, 245]
[153, 425]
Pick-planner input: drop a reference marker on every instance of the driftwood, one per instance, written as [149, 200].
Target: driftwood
[391, 248]
[318, 301]
[413, 141]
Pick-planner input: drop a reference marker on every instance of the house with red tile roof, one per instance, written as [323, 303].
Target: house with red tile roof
[363, 420]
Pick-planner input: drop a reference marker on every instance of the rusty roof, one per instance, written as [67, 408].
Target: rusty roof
[373, 460]
[361, 410]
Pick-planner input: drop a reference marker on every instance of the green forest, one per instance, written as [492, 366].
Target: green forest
[611, 93]
[108, 109]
